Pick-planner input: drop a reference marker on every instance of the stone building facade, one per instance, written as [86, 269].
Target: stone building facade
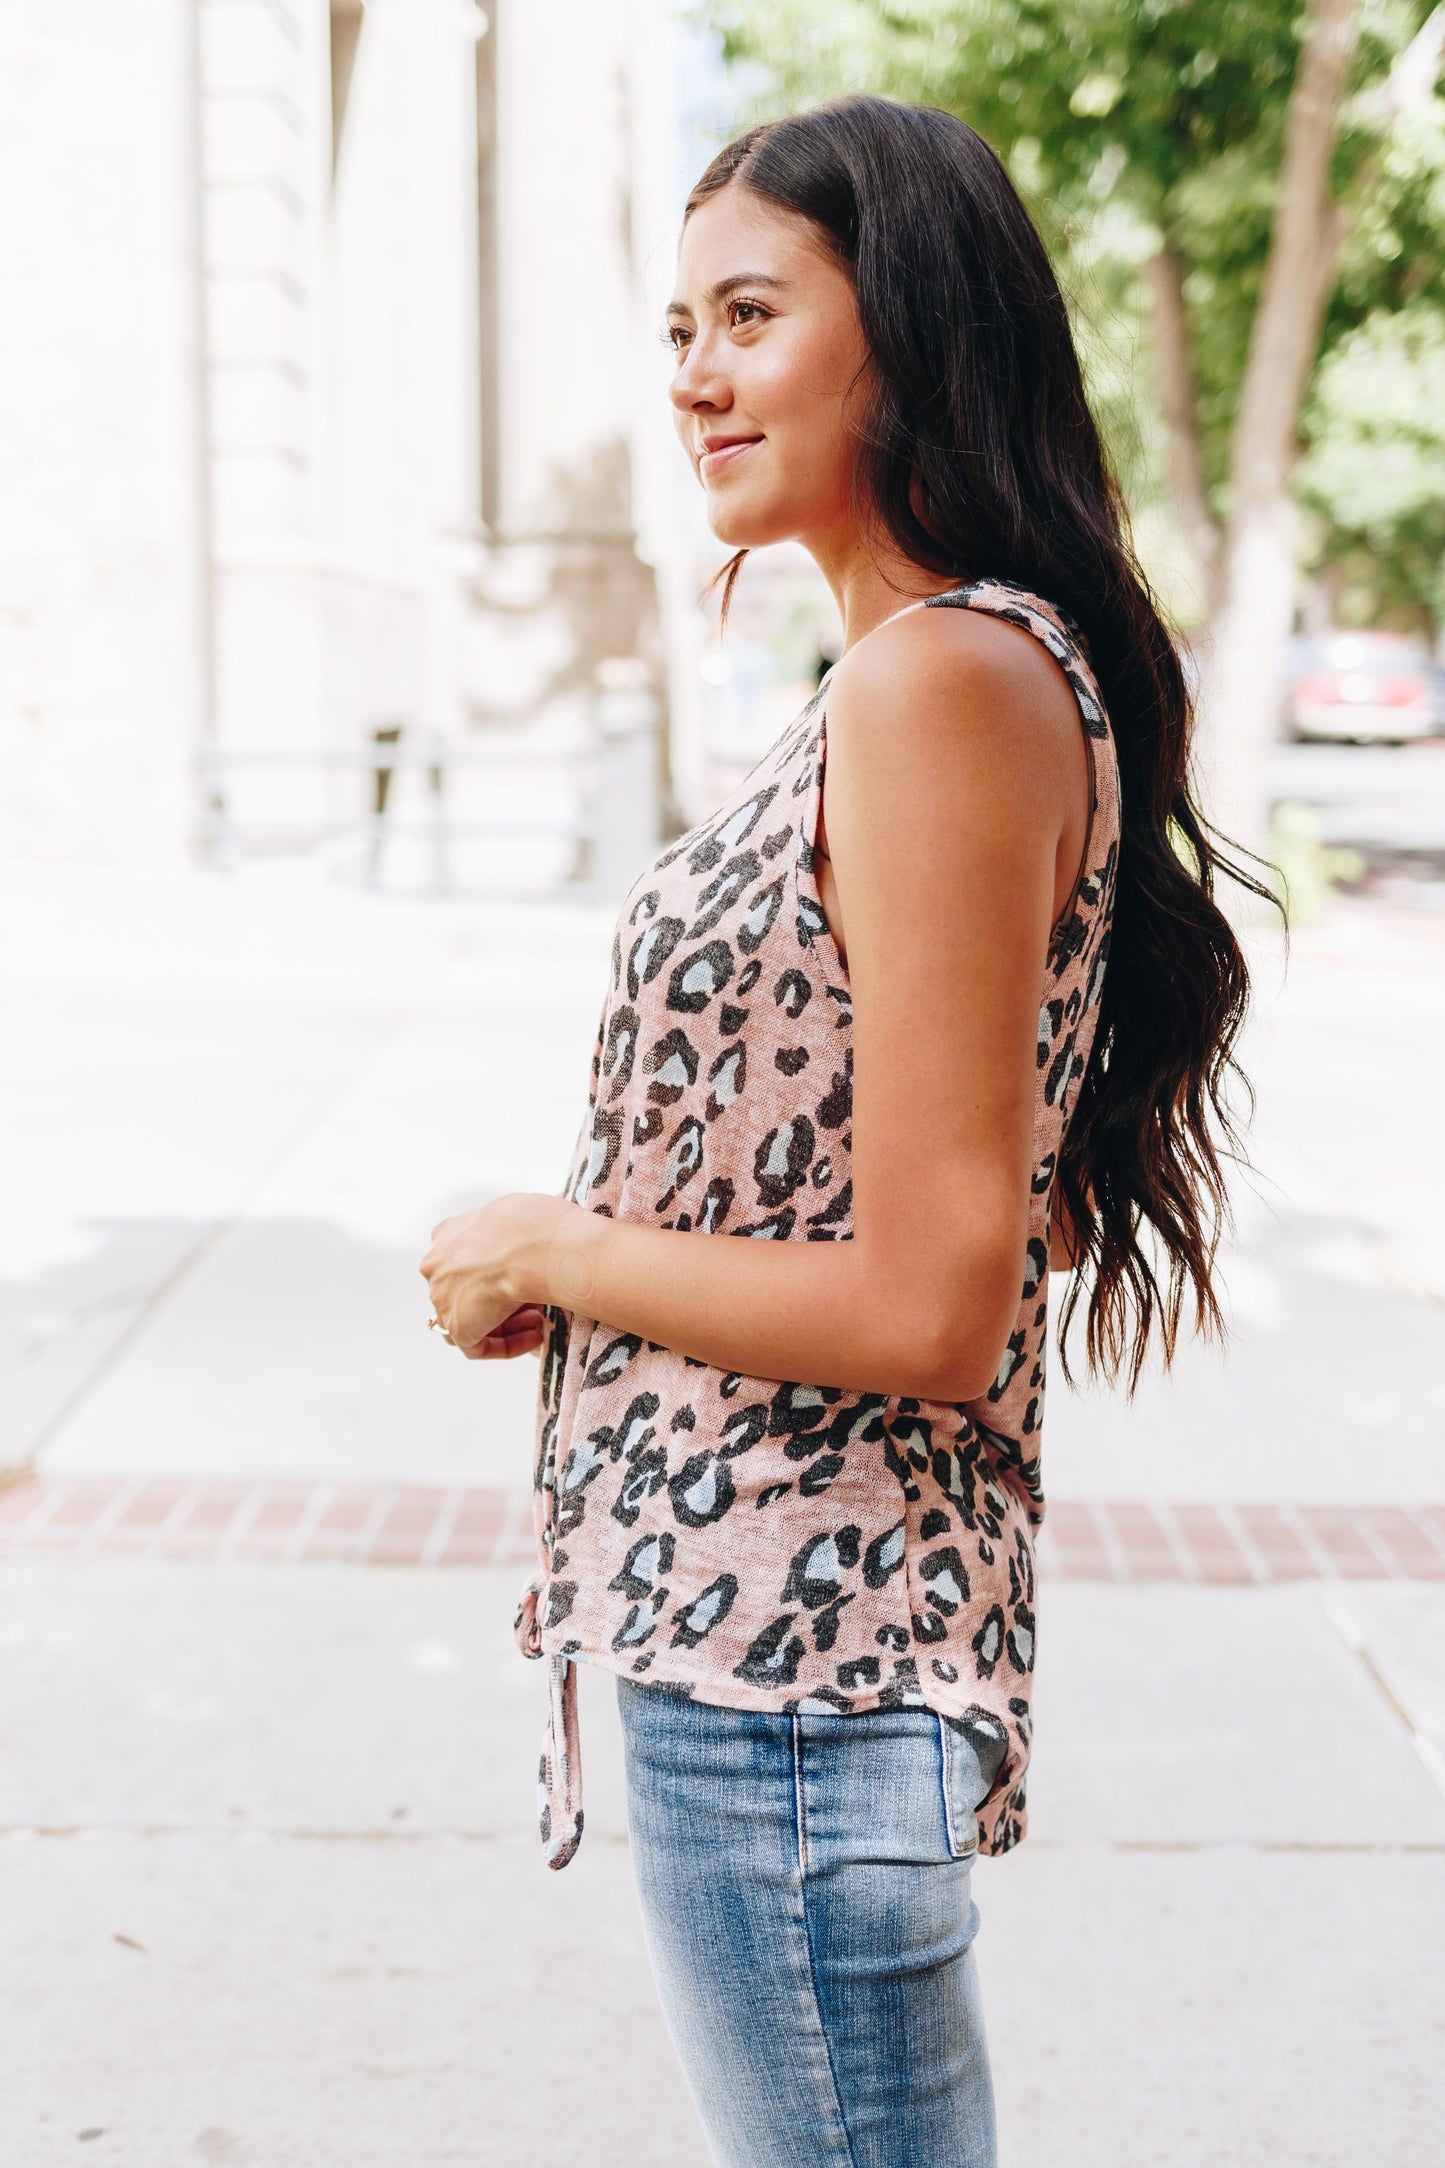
[330, 406]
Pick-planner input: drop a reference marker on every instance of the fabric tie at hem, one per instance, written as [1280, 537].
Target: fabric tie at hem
[559, 1773]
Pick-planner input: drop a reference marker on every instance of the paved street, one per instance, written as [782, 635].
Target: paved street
[1385, 799]
[267, 1858]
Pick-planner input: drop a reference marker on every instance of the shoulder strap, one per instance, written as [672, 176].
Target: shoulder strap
[1050, 625]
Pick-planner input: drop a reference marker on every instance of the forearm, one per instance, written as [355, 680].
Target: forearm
[834, 1313]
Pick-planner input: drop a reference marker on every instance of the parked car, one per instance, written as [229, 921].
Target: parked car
[1362, 688]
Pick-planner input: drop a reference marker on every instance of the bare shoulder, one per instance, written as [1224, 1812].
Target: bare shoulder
[959, 684]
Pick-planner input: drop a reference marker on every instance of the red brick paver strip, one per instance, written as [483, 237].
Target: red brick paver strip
[410, 1524]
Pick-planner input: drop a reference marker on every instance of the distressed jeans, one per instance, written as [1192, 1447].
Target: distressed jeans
[804, 1883]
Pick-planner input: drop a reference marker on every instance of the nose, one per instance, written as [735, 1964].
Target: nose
[698, 384]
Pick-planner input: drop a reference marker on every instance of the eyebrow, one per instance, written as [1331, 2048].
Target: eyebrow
[715, 295]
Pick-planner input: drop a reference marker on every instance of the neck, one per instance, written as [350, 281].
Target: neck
[871, 582]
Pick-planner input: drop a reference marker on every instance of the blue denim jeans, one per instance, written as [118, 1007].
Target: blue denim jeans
[805, 1890]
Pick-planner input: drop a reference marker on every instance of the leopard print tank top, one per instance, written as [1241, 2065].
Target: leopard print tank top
[773, 1544]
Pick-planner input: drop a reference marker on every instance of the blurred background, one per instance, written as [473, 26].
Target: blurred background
[353, 658]
[343, 520]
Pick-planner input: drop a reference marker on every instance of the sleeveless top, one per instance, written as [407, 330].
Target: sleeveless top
[772, 1544]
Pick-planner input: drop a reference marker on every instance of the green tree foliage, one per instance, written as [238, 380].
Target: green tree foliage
[1373, 477]
[1153, 129]
[1374, 474]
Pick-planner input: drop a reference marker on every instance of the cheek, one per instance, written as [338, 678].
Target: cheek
[799, 401]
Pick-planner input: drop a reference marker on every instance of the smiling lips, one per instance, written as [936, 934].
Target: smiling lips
[720, 452]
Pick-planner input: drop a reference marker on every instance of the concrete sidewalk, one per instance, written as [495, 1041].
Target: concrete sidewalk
[243, 1108]
[273, 1893]
[268, 1863]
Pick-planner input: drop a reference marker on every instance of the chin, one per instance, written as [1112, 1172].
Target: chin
[744, 527]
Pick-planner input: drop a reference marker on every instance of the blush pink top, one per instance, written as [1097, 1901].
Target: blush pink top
[772, 1544]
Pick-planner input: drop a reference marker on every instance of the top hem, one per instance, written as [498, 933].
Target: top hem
[777, 1701]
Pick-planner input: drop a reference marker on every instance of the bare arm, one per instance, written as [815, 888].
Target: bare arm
[955, 795]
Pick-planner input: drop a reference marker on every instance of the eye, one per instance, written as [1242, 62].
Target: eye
[742, 314]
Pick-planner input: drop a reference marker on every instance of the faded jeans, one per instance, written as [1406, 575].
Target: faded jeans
[805, 1890]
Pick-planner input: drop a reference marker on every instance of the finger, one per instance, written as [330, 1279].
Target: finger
[527, 1343]
[512, 1343]
[520, 1332]
[528, 1323]
[530, 1319]
[501, 1345]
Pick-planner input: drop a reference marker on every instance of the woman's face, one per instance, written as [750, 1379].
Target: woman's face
[769, 348]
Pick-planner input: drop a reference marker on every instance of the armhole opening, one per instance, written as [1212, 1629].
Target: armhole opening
[1089, 820]
[963, 598]
[808, 826]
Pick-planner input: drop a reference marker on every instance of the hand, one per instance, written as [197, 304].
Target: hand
[520, 1334]
[486, 1272]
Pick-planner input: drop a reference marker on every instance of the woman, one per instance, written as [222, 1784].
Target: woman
[787, 1487]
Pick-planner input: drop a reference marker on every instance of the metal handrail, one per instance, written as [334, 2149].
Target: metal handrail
[382, 759]
[396, 756]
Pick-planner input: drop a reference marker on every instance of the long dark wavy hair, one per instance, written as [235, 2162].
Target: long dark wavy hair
[979, 457]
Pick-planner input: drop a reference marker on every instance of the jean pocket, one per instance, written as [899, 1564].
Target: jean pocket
[971, 1761]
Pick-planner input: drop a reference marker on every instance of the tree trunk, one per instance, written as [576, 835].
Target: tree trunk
[1242, 684]
[1179, 410]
